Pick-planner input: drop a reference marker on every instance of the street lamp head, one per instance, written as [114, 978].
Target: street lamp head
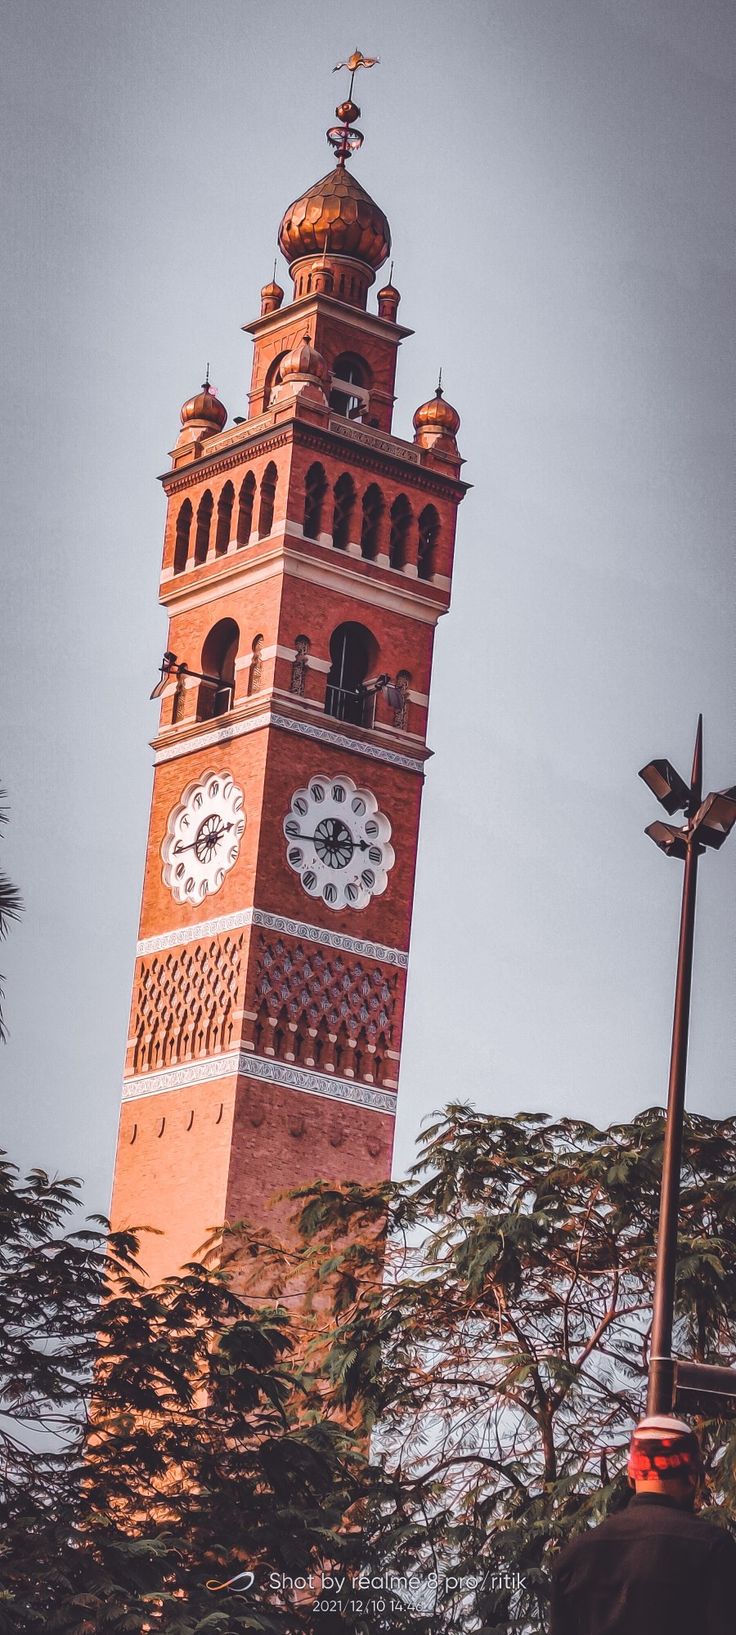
[168, 668]
[665, 782]
[714, 821]
[670, 840]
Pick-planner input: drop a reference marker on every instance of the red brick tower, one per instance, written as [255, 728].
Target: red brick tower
[307, 558]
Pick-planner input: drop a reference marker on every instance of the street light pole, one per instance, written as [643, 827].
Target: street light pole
[709, 823]
[661, 1368]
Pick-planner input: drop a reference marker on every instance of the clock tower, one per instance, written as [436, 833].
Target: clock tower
[307, 559]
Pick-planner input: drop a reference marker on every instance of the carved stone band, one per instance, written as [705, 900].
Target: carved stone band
[304, 729]
[274, 922]
[260, 1067]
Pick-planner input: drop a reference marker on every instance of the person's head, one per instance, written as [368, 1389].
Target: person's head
[664, 1457]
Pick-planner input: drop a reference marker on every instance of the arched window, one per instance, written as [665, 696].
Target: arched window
[273, 377]
[268, 498]
[349, 370]
[224, 519]
[204, 519]
[353, 651]
[246, 499]
[314, 499]
[401, 699]
[300, 666]
[256, 665]
[372, 513]
[400, 524]
[429, 527]
[183, 530]
[344, 508]
[219, 653]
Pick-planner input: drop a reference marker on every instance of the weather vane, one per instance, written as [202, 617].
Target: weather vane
[345, 138]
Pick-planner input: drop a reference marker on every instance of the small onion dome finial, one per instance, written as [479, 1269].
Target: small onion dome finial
[388, 298]
[304, 362]
[205, 410]
[271, 296]
[436, 420]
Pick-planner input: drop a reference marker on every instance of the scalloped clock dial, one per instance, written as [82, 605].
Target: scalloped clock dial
[338, 842]
[203, 836]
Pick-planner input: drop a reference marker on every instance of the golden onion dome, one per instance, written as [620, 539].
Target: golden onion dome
[271, 297]
[205, 406]
[437, 415]
[338, 216]
[304, 361]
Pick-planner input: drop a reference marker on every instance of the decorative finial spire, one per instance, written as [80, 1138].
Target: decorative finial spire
[353, 63]
[439, 392]
[345, 138]
[206, 381]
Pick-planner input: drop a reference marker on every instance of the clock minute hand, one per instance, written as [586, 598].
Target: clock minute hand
[314, 838]
[346, 840]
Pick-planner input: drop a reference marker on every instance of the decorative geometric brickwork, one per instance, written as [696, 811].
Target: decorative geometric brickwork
[319, 1008]
[312, 984]
[184, 1004]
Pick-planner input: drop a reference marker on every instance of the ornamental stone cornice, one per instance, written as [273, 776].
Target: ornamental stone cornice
[191, 737]
[378, 460]
[262, 443]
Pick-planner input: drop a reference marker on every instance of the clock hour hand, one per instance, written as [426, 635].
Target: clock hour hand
[211, 838]
[344, 841]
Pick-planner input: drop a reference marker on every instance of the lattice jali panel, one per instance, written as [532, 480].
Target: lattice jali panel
[310, 987]
[185, 1002]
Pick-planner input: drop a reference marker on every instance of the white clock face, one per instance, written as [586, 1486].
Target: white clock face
[338, 842]
[203, 837]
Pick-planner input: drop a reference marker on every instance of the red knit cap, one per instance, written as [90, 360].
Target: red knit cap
[663, 1449]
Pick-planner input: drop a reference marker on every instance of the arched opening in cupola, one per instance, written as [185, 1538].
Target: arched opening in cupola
[315, 489]
[350, 370]
[246, 500]
[273, 378]
[204, 522]
[224, 519]
[428, 529]
[400, 525]
[268, 500]
[344, 511]
[372, 514]
[183, 531]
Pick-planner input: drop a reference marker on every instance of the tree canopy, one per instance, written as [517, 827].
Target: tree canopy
[497, 1336]
[485, 1324]
[156, 1442]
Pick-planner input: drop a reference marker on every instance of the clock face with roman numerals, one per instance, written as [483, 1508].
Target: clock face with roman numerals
[338, 842]
[203, 837]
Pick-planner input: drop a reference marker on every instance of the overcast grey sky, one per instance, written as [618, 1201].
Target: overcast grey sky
[556, 174]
